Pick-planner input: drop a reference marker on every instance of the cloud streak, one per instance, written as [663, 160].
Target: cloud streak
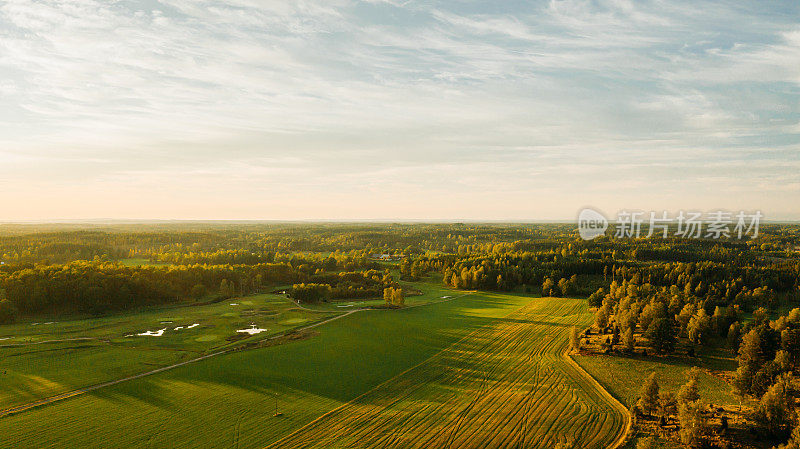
[358, 109]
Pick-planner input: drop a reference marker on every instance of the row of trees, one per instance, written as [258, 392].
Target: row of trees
[343, 285]
[394, 296]
[310, 293]
[742, 281]
[99, 287]
[685, 405]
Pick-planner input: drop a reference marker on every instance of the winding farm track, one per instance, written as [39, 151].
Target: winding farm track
[508, 385]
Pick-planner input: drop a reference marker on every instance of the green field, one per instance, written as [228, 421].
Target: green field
[229, 401]
[46, 358]
[230, 397]
[507, 385]
[623, 376]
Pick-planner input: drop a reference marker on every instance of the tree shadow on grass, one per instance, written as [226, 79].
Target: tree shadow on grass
[145, 390]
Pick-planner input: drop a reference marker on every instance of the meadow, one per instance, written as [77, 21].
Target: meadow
[45, 358]
[229, 401]
[39, 359]
[623, 376]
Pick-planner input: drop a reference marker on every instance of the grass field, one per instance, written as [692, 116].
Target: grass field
[46, 358]
[229, 401]
[503, 386]
[623, 376]
[51, 356]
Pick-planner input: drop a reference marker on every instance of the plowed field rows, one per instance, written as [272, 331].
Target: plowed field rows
[507, 385]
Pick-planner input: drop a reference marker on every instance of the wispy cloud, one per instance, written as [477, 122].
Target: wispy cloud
[523, 111]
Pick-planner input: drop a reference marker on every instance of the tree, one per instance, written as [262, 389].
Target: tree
[794, 317]
[743, 381]
[397, 297]
[699, 327]
[548, 287]
[225, 289]
[448, 277]
[601, 319]
[652, 311]
[596, 298]
[648, 396]
[628, 340]
[501, 283]
[782, 361]
[575, 339]
[667, 404]
[662, 335]
[774, 410]
[760, 317]
[685, 316]
[456, 281]
[692, 423]
[567, 286]
[790, 343]
[734, 337]
[7, 312]
[198, 291]
[689, 392]
[756, 368]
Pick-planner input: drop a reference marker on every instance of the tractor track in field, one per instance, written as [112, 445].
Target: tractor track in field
[34, 343]
[80, 391]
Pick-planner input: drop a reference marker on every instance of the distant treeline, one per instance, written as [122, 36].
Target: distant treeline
[99, 287]
[726, 274]
[55, 269]
[254, 243]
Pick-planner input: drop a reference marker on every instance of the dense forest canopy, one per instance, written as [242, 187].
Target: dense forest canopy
[87, 268]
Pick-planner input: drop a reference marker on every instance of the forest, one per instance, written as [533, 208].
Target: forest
[56, 269]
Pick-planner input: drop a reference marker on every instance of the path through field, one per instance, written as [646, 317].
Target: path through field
[503, 386]
[70, 394]
[80, 391]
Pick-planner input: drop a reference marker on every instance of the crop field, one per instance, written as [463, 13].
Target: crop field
[503, 386]
[229, 401]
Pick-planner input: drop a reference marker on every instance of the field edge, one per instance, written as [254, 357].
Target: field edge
[615, 403]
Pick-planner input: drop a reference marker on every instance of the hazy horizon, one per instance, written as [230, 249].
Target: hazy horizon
[384, 110]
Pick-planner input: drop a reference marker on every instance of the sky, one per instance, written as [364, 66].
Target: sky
[395, 110]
